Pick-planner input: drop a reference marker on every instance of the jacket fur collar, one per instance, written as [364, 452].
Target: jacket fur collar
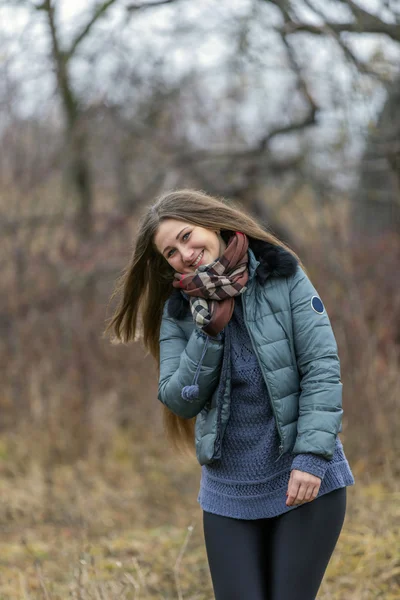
[274, 262]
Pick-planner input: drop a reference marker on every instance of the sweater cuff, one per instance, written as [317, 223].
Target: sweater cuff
[310, 463]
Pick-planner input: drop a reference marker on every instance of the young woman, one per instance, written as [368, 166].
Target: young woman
[249, 374]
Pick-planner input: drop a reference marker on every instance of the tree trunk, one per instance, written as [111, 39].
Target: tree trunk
[75, 131]
[376, 203]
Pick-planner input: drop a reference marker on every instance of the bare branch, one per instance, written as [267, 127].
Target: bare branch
[362, 16]
[275, 165]
[308, 120]
[310, 117]
[360, 65]
[393, 31]
[133, 7]
[99, 11]
[365, 22]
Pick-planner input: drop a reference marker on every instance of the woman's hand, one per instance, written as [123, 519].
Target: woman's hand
[303, 487]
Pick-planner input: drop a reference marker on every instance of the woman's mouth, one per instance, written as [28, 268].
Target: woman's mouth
[198, 259]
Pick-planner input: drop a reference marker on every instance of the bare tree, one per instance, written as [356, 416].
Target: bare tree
[376, 203]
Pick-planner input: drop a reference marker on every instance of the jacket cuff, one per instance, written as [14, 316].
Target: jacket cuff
[218, 337]
[310, 463]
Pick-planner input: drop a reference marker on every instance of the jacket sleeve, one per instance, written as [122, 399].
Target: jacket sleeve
[179, 359]
[320, 401]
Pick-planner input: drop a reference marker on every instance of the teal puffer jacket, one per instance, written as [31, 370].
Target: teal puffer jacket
[293, 340]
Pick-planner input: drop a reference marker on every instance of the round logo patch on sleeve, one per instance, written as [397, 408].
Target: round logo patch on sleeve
[316, 304]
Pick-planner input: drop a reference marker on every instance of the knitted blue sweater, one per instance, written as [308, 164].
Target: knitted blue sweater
[248, 482]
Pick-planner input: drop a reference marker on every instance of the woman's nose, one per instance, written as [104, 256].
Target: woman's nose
[188, 256]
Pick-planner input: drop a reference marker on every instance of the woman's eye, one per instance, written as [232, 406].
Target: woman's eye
[183, 237]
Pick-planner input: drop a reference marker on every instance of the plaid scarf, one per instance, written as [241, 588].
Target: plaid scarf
[212, 287]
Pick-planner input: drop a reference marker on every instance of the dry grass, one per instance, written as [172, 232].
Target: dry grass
[131, 527]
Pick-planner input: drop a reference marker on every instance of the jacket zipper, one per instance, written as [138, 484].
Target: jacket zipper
[265, 380]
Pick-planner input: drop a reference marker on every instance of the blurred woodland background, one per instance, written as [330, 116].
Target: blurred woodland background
[289, 107]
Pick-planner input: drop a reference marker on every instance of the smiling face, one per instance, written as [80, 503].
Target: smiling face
[186, 246]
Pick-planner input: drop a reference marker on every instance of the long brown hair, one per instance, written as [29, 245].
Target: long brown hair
[146, 282]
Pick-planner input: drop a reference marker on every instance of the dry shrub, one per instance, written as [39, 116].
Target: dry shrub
[61, 380]
[360, 286]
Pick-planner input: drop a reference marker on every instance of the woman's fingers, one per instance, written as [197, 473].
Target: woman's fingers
[301, 494]
[302, 487]
[309, 494]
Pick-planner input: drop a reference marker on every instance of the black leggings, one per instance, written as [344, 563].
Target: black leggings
[281, 558]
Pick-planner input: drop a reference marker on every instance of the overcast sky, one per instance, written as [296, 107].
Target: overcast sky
[203, 41]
